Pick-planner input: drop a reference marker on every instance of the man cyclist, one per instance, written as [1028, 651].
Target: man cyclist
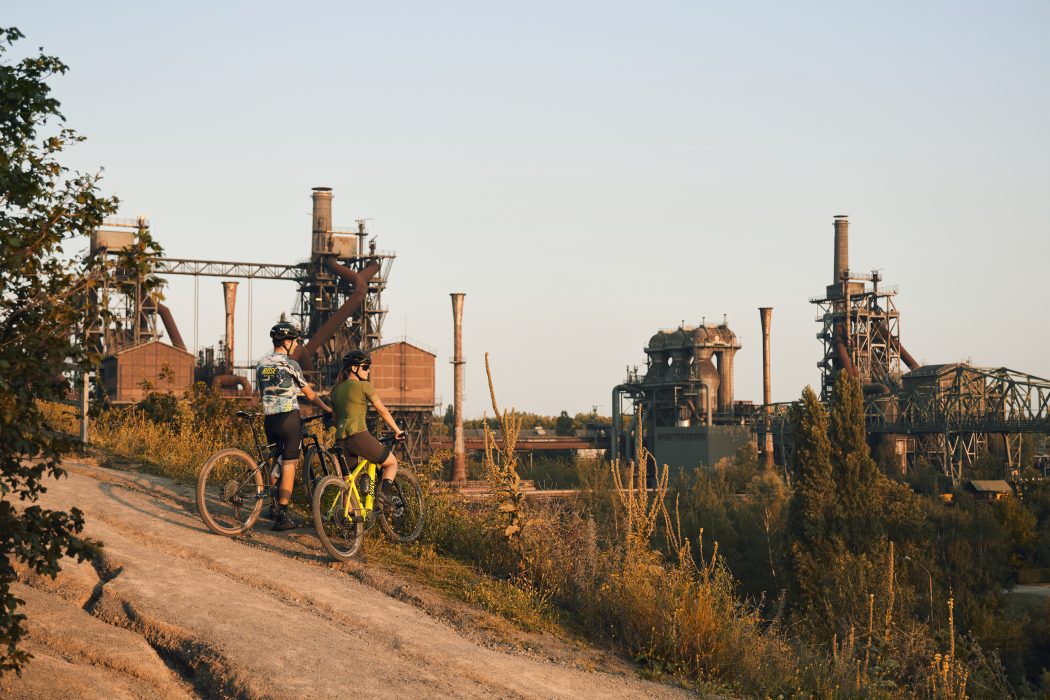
[350, 399]
[280, 379]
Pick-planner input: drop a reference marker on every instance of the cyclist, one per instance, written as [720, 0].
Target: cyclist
[280, 379]
[350, 398]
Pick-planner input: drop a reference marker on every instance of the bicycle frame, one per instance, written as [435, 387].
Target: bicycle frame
[367, 504]
[266, 453]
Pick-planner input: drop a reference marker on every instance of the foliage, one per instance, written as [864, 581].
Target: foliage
[563, 424]
[844, 514]
[42, 206]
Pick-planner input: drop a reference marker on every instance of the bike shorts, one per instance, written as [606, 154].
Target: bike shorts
[364, 444]
[285, 429]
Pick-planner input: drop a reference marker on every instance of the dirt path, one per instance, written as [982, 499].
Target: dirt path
[174, 611]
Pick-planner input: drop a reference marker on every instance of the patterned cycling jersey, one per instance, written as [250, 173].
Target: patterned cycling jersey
[279, 379]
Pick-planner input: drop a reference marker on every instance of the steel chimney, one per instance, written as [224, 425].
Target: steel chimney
[322, 219]
[841, 247]
[765, 313]
[459, 450]
[229, 293]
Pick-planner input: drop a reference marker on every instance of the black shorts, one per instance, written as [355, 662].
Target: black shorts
[364, 444]
[285, 429]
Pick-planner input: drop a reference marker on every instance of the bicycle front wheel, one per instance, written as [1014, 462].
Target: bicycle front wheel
[402, 521]
[337, 518]
[230, 492]
[316, 466]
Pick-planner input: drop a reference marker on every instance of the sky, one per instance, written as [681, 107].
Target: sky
[587, 173]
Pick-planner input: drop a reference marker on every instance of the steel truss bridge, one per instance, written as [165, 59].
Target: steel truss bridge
[951, 417]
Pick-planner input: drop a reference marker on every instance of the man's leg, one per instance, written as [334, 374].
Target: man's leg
[287, 483]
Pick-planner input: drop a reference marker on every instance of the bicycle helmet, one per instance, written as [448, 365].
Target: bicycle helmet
[285, 331]
[356, 358]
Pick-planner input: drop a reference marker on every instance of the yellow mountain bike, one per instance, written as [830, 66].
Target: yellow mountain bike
[345, 506]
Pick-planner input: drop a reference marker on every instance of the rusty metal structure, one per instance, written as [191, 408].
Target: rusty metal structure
[948, 414]
[685, 397]
[339, 305]
[459, 450]
[403, 375]
[765, 315]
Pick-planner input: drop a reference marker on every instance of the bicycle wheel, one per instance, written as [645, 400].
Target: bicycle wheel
[230, 492]
[341, 532]
[403, 521]
[316, 467]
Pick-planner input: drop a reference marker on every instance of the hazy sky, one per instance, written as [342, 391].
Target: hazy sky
[587, 172]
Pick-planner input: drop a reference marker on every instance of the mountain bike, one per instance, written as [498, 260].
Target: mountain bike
[233, 485]
[345, 505]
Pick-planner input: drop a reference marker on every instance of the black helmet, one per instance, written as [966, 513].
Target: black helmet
[356, 357]
[285, 331]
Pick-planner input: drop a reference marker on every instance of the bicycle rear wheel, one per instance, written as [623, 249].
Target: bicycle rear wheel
[403, 522]
[339, 526]
[230, 492]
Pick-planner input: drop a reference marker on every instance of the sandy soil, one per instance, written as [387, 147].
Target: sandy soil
[171, 610]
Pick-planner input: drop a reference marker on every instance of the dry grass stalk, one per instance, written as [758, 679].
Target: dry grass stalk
[501, 465]
[890, 594]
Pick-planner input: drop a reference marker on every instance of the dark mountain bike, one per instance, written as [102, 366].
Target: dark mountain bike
[233, 486]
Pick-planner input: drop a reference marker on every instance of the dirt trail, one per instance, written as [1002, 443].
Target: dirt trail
[191, 613]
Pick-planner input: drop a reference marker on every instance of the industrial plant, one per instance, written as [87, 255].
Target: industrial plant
[946, 414]
[339, 307]
[681, 407]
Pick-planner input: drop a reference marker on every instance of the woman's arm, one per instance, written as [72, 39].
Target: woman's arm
[385, 414]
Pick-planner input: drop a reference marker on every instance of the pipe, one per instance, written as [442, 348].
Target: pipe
[169, 325]
[841, 248]
[227, 381]
[361, 233]
[725, 380]
[765, 314]
[906, 356]
[839, 337]
[459, 451]
[229, 296]
[707, 403]
[359, 280]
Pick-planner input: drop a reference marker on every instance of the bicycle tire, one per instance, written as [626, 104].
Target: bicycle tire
[317, 466]
[340, 537]
[404, 524]
[230, 492]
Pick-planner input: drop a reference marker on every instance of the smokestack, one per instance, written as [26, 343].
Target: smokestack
[229, 293]
[322, 218]
[841, 247]
[361, 233]
[765, 313]
[459, 449]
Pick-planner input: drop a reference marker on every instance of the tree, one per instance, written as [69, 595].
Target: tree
[563, 425]
[42, 206]
[845, 512]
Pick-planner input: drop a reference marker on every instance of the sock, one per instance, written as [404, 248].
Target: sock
[386, 486]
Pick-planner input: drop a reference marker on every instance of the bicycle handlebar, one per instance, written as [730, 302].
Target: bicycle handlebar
[248, 416]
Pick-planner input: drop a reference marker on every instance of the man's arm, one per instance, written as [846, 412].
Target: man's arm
[316, 400]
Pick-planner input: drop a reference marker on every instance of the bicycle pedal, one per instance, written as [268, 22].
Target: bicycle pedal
[358, 519]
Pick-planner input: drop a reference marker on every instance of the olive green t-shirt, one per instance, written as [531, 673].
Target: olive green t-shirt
[350, 403]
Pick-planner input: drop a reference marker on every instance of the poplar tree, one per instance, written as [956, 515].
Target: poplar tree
[42, 206]
[844, 513]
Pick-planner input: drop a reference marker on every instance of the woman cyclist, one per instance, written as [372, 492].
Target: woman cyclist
[350, 400]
